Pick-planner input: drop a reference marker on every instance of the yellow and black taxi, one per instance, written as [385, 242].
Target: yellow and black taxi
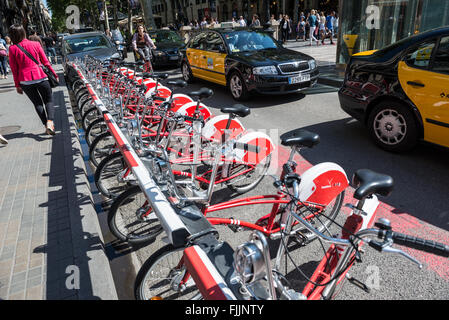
[168, 47]
[401, 92]
[247, 61]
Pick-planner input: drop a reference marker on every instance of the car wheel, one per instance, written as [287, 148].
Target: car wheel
[393, 126]
[237, 87]
[186, 73]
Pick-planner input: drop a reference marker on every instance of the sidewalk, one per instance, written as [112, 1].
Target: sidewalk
[325, 56]
[51, 246]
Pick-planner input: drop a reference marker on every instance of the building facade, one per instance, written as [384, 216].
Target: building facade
[373, 24]
[32, 14]
[225, 10]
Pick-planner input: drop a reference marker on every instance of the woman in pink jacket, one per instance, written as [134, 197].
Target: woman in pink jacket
[29, 77]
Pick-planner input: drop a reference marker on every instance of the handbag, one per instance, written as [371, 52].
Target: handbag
[52, 79]
[3, 52]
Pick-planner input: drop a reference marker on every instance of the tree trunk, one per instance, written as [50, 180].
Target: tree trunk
[115, 15]
[130, 18]
[147, 9]
[106, 17]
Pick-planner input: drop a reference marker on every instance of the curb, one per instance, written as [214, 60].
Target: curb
[89, 253]
[330, 82]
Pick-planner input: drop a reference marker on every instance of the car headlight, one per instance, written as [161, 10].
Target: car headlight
[312, 64]
[159, 53]
[265, 70]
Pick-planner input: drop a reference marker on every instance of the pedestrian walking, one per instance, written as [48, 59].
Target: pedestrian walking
[29, 77]
[3, 59]
[49, 48]
[284, 26]
[312, 23]
[203, 23]
[330, 26]
[242, 22]
[8, 44]
[301, 28]
[255, 22]
[322, 27]
[35, 37]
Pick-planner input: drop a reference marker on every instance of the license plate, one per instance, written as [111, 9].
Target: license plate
[174, 58]
[299, 79]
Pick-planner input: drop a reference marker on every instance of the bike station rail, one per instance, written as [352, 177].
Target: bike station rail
[175, 223]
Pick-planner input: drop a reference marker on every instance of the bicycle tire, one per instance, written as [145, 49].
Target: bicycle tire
[105, 171]
[95, 155]
[149, 270]
[90, 116]
[129, 203]
[86, 105]
[95, 129]
[77, 85]
[240, 189]
[325, 222]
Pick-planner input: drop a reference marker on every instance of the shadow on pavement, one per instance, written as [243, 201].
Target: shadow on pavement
[68, 245]
[420, 175]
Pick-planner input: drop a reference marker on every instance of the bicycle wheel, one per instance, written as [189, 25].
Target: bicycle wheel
[132, 219]
[160, 276]
[107, 177]
[78, 85]
[323, 220]
[85, 105]
[101, 147]
[90, 116]
[247, 181]
[95, 129]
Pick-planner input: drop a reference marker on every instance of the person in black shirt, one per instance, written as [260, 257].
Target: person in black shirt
[50, 48]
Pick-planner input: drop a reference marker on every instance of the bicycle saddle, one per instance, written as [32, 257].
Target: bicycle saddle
[300, 138]
[238, 109]
[203, 93]
[160, 76]
[178, 83]
[368, 182]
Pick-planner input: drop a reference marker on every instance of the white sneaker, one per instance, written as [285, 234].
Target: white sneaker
[3, 140]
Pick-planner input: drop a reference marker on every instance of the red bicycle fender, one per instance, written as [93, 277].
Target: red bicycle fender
[207, 279]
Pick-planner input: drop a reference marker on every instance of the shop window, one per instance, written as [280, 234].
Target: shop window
[441, 62]
[420, 57]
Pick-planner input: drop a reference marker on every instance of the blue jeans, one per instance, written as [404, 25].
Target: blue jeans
[51, 52]
[3, 69]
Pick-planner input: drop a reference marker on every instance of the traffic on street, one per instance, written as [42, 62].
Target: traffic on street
[288, 159]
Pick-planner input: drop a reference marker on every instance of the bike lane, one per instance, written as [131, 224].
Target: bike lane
[402, 222]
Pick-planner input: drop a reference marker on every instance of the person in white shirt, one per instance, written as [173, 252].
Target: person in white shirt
[242, 22]
[203, 23]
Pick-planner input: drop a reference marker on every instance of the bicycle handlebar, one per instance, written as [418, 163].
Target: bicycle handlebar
[421, 244]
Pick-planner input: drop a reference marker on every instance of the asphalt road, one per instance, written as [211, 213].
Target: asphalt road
[418, 202]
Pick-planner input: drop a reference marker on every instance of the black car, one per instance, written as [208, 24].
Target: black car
[247, 61]
[95, 44]
[169, 45]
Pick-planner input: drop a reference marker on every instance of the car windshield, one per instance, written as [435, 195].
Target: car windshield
[165, 37]
[240, 41]
[87, 43]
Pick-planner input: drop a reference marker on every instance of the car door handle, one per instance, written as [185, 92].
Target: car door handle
[416, 84]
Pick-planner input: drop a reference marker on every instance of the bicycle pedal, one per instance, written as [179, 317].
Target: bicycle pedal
[358, 284]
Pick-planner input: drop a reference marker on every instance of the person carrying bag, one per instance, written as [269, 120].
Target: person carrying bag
[33, 74]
